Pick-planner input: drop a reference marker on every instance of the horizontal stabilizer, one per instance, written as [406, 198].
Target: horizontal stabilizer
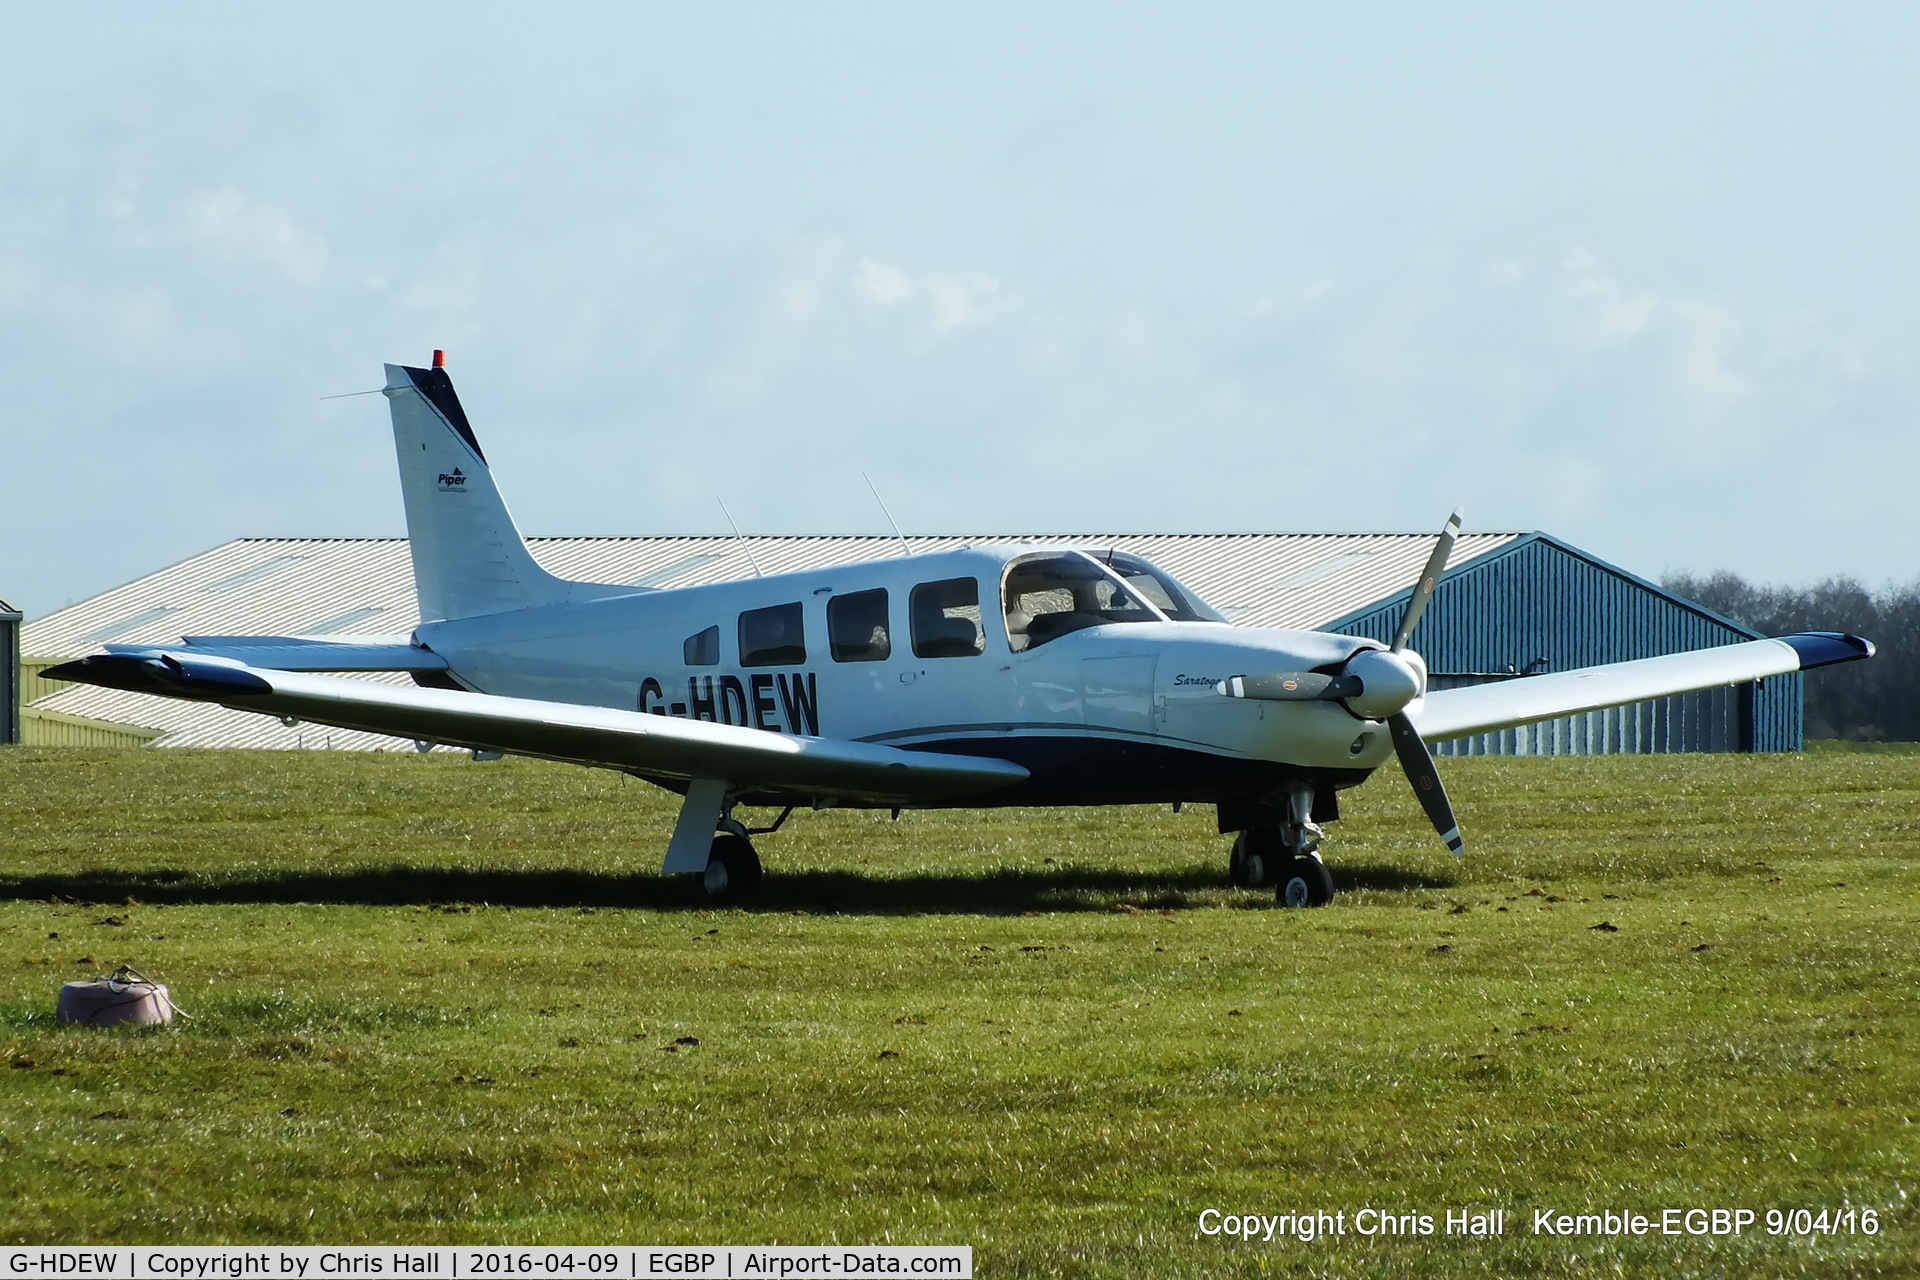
[1502, 704]
[657, 747]
[313, 653]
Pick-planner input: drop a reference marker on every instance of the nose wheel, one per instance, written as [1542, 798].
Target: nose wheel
[1305, 882]
[733, 869]
[1284, 855]
[1262, 859]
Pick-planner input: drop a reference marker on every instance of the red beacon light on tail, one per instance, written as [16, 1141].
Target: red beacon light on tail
[439, 358]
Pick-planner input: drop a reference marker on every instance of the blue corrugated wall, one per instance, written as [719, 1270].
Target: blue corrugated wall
[1541, 598]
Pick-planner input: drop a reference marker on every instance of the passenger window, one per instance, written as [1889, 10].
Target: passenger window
[857, 627]
[772, 637]
[703, 650]
[946, 619]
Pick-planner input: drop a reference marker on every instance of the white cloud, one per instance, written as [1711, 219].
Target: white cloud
[945, 304]
[229, 224]
[961, 302]
[1700, 340]
[1614, 313]
[805, 289]
[881, 284]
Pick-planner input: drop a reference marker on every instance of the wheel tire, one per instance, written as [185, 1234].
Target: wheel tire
[733, 869]
[1306, 882]
[1256, 858]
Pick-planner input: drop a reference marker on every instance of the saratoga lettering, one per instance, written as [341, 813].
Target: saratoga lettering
[730, 702]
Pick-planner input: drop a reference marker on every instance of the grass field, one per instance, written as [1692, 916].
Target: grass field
[439, 1000]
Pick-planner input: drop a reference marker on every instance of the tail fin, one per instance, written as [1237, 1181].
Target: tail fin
[468, 558]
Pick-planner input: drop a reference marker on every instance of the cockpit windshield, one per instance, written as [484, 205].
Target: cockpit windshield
[1050, 594]
[1162, 590]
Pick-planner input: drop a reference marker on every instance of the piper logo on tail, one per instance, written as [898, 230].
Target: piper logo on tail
[454, 480]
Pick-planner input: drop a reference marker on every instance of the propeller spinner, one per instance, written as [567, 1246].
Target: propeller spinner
[1378, 684]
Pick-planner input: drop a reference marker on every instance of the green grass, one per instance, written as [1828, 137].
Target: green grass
[438, 1000]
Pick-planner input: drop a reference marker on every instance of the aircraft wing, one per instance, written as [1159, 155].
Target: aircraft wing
[1501, 704]
[659, 747]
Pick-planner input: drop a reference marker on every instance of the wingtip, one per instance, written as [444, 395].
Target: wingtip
[1825, 648]
[158, 671]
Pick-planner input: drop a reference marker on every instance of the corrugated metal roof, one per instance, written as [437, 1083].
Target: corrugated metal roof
[291, 586]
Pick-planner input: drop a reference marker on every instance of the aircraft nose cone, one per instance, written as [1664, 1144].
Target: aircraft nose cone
[1387, 683]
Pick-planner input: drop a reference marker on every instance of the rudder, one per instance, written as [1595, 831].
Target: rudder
[468, 557]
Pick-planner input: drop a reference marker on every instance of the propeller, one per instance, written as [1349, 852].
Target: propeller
[1429, 578]
[1292, 686]
[1378, 684]
[1418, 763]
[1415, 759]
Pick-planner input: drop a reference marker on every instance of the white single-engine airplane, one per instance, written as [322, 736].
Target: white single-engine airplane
[1011, 676]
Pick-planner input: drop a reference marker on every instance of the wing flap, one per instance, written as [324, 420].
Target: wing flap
[662, 747]
[1483, 708]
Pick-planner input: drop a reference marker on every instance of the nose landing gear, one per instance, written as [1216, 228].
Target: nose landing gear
[1284, 855]
[1306, 882]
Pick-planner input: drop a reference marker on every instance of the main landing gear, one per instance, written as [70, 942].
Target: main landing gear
[1285, 855]
[733, 868]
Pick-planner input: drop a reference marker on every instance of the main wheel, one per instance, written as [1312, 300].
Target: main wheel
[733, 869]
[1305, 882]
[1256, 857]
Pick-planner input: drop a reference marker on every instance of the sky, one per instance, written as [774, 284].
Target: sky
[1643, 276]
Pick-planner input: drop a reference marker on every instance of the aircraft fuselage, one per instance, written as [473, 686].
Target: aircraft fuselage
[1116, 713]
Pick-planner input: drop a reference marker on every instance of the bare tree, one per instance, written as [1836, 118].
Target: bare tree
[1865, 701]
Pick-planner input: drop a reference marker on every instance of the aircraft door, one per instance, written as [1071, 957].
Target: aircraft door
[1117, 693]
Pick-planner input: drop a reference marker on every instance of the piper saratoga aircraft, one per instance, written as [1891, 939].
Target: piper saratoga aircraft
[1035, 675]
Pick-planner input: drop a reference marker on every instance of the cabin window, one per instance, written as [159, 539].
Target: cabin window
[703, 650]
[946, 619]
[772, 637]
[1048, 596]
[857, 627]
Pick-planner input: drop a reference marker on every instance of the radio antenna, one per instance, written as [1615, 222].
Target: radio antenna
[888, 514]
[737, 534]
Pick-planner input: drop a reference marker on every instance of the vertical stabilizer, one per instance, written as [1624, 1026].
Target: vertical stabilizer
[468, 558]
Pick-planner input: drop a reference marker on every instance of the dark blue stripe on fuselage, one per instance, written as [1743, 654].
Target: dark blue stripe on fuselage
[1092, 770]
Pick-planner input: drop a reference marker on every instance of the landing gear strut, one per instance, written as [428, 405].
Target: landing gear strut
[1284, 855]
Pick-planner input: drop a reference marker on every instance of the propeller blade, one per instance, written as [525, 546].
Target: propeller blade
[1429, 578]
[1418, 763]
[1291, 686]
